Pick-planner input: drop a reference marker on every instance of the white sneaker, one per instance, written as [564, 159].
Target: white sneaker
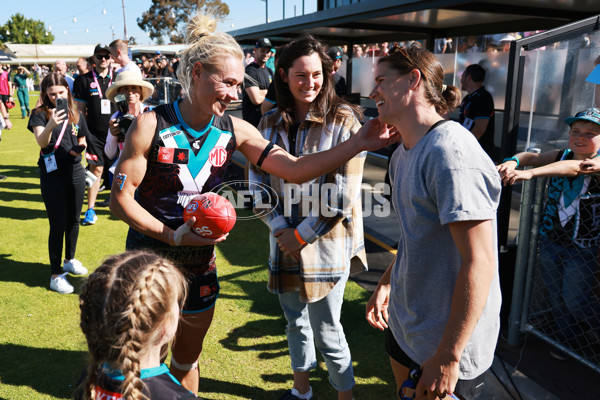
[74, 267]
[61, 285]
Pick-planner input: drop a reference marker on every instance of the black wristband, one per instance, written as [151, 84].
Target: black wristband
[264, 154]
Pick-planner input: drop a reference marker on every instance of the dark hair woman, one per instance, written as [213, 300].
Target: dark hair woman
[60, 133]
[313, 247]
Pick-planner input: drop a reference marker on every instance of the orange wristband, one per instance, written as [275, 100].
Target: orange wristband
[299, 238]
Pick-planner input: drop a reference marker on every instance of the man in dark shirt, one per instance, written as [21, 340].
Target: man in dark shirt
[339, 83]
[477, 108]
[90, 92]
[256, 82]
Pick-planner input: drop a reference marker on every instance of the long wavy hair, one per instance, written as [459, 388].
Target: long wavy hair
[326, 101]
[124, 305]
[56, 79]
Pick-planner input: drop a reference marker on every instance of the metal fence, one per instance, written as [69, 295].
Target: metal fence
[557, 276]
[166, 90]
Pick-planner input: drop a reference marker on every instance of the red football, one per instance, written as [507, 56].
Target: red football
[215, 216]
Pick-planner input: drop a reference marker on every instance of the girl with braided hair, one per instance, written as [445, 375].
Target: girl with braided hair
[130, 310]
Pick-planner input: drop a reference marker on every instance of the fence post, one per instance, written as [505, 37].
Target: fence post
[523, 243]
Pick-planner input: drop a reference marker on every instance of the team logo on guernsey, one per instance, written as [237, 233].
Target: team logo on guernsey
[218, 156]
[102, 394]
[170, 155]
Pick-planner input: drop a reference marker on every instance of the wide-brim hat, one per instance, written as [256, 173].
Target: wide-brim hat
[589, 115]
[130, 78]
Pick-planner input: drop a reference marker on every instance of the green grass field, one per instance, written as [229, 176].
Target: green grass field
[42, 350]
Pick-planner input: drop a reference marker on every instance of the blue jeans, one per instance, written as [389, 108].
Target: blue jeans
[318, 324]
[568, 273]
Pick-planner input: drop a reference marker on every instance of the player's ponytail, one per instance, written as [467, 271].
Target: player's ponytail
[206, 46]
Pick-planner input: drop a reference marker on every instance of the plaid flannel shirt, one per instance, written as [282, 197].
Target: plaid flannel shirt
[334, 237]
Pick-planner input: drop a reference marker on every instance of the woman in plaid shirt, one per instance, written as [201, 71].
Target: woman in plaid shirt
[316, 228]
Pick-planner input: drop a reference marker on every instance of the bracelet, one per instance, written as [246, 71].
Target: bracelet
[513, 158]
[299, 238]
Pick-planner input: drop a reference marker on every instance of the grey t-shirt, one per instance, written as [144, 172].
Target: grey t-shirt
[446, 177]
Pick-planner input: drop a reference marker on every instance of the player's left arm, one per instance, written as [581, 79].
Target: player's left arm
[373, 135]
[474, 240]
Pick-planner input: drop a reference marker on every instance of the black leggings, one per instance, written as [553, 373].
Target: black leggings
[63, 191]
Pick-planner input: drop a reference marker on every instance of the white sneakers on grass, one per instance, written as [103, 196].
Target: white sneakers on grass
[74, 267]
[60, 283]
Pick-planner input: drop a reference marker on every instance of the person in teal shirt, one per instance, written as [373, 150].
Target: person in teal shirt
[20, 81]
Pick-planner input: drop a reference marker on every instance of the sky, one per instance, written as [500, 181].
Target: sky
[91, 22]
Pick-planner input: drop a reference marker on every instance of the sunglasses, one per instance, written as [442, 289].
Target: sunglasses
[102, 56]
[398, 49]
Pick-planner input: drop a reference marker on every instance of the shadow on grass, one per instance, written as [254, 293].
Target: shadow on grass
[253, 329]
[217, 388]
[49, 371]
[21, 214]
[20, 171]
[30, 274]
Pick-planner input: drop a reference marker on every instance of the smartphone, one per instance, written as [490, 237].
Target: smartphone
[78, 149]
[62, 104]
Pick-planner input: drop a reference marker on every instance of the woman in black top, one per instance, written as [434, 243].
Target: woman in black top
[60, 133]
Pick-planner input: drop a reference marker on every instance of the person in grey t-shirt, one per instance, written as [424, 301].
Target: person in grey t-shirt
[441, 296]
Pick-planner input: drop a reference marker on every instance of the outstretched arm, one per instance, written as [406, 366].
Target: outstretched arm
[564, 168]
[373, 135]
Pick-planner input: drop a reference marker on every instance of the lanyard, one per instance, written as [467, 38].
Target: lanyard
[62, 132]
[98, 84]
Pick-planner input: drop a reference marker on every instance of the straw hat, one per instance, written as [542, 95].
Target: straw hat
[130, 78]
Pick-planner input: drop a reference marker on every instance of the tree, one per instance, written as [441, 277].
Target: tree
[132, 41]
[168, 18]
[19, 29]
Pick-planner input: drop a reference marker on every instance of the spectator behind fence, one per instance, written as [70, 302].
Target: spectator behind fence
[130, 307]
[20, 83]
[256, 82]
[60, 66]
[90, 93]
[311, 253]
[477, 109]
[570, 226]
[440, 296]
[339, 82]
[62, 138]
[150, 192]
[119, 51]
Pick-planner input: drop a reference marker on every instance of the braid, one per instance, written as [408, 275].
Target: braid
[133, 338]
[124, 303]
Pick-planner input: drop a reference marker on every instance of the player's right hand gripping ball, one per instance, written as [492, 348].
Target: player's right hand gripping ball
[215, 215]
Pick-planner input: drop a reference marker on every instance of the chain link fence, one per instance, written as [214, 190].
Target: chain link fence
[166, 90]
[558, 266]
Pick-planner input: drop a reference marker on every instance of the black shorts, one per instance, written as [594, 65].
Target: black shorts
[94, 153]
[4, 98]
[197, 264]
[466, 389]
